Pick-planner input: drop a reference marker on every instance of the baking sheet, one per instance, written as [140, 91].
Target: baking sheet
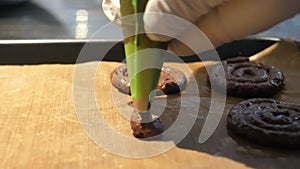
[19, 52]
[40, 126]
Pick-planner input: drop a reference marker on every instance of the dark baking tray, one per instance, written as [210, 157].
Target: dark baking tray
[19, 52]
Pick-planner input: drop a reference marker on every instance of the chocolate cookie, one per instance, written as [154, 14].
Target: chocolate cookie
[248, 79]
[266, 121]
[171, 80]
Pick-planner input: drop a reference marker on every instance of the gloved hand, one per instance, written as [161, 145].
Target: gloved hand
[220, 20]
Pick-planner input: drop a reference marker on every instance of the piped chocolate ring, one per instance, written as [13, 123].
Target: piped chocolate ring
[248, 79]
[266, 121]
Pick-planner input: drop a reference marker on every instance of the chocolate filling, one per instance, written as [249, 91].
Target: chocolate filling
[146, 129]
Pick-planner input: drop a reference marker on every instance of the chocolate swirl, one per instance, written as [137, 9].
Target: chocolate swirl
[266, 121]
[249, 79]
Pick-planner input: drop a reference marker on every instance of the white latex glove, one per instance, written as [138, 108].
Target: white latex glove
[220, 20]
[111, 8]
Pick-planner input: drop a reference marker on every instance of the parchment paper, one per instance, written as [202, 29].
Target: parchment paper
[40, 127]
